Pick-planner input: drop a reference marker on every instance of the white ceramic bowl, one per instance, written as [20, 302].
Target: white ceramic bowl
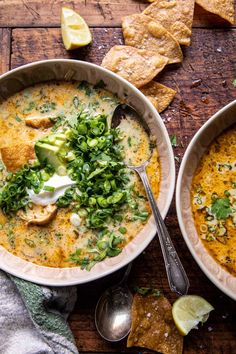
[62, 69]
[208, 132]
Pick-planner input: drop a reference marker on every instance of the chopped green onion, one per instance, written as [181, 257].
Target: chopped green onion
[173, 140]
[30, 243]
[122, 230]
[49, 188]
[76, 102]
[17, 118]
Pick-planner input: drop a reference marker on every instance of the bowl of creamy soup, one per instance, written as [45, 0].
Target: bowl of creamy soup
[71, 211]
[206, 198]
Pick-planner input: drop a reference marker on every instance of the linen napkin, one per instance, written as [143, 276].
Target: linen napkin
[33, 317]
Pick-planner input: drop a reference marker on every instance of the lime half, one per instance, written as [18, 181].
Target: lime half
[188, 311]
[74, 29]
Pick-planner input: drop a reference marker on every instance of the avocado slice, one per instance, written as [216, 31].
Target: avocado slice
[60, 136]
[59, 143]
[47, 152]
[53, 150]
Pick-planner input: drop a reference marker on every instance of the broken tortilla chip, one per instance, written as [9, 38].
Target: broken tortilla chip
[138, 66]
[222, 8]
[175, 15]
[142, 32]
[160, 96]
[16, 156]
[38, 122]
[153, 326]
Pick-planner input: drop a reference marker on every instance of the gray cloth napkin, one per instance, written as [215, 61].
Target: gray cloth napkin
[33, 318]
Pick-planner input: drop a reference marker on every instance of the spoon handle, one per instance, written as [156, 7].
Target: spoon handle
[176, 275]
[126, 275]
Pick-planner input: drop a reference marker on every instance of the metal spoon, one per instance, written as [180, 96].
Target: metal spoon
[113, 311]
[177, 278]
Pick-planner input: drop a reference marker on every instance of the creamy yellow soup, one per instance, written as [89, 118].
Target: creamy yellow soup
[213, 195]
[51, 114]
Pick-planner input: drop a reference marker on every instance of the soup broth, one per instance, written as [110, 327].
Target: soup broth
[213, 195]
[80, 203]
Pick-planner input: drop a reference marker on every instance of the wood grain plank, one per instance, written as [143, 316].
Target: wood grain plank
[46, 13]
[5, 49]
[37, 44]
[204, 84]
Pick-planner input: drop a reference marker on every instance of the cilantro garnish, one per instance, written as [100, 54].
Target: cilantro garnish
[84, 86]
[147, 291]
[129, 141]
[30, 106]
[221, 208]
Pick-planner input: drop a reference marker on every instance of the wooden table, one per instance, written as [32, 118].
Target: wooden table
[30, 31]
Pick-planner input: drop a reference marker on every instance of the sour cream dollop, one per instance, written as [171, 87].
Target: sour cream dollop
[59, 183]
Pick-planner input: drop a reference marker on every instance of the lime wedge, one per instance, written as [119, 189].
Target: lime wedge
[75, 31]
[188, 311]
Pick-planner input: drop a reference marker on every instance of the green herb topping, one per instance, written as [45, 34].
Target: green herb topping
[221, 208]
[147, 291]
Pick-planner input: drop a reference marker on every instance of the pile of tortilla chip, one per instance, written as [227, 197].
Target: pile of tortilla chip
[152, 41]
[153, 326]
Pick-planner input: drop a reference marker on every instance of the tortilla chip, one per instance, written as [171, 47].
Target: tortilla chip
[175, 15]
[38, 122]
[222, 8]
[16, 156]
[142, 32]
[160, 96]
[138, 66]
[153, 326]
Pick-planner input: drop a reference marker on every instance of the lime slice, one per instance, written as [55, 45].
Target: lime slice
[75, 31]
[188, 311]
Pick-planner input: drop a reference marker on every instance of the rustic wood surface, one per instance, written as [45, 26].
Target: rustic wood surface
[29, 31]
[102, 13]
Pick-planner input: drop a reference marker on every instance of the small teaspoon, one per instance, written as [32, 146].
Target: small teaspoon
[113, 311]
